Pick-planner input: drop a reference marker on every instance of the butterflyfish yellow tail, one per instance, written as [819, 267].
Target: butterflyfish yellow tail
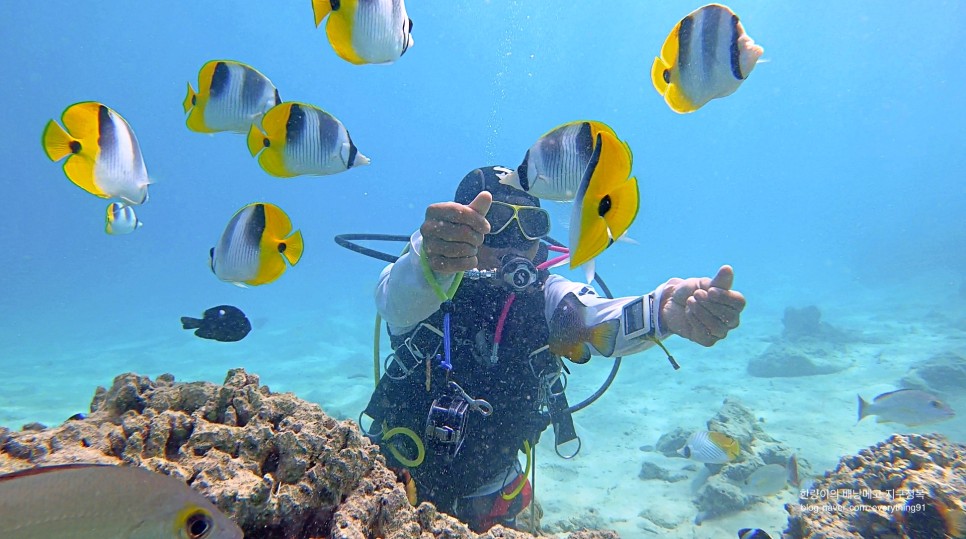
[321, 8]
[610, 200]
[294, 247]
[727, 444]
[278, 233]
[79, 167]
[271, 142]
[603, 336]
[57, 143]
[256, 140]
[189, 99]
[339, 31]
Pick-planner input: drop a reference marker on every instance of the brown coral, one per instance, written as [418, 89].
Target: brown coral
[864, 494]
[278, 466]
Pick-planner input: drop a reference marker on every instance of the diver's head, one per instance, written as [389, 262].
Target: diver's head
[517, 222]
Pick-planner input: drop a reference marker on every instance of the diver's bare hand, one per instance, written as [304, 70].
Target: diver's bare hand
[452, 233]
[701, 310]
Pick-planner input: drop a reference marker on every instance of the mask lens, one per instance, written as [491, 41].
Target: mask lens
[535, 222]
[499, 217]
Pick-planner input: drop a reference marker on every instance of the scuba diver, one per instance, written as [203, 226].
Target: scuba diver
[478, 327]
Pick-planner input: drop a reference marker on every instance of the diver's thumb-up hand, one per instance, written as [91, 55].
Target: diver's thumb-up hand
[702, 310]
[453, 233]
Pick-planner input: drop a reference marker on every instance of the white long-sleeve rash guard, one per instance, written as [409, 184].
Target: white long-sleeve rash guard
[404, 299]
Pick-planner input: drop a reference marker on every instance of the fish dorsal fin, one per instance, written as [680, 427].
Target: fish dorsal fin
[339, 32]
[81, 121]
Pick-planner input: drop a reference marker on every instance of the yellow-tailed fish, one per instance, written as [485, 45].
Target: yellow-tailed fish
[570, 332]
[607, 200]
[103, 155]
[366, 31]
[706, 56]
[255, 246]
[89, 501]
[554, 166]
[710, 447]
[297, 139]
[121, 219]
[231, 97]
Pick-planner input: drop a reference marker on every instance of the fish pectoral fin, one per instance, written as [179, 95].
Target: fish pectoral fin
[321, 9]
[56, 141]
[339, 32]
[80, 170]
[273, 162]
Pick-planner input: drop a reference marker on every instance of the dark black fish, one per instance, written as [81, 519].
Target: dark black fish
[925, 516]
[748, 533]
[222, 323]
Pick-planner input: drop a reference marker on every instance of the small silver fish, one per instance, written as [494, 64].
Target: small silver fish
[910, 407]
[765, 481]
[121, 219]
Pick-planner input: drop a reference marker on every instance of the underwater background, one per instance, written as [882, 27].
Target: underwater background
[833, 177]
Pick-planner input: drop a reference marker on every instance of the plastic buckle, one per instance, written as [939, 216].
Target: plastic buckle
[418, 356]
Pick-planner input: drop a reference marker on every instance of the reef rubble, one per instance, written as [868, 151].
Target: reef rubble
[870, 494]
[277, 465]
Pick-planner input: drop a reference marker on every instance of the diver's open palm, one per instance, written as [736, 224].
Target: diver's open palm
[702, 310]
[452, 233]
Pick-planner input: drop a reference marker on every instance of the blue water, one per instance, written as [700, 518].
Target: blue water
[833, 176]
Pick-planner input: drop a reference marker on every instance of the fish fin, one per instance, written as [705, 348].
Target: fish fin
[609, 200]
[339, 31]
[679, 102]
[589, 271]
[510, 178]
[190, 323]
[726, 443]
[603, 336]
[80, 170]
[863, 408]
[256, 140]
[278, 232]
[294, 247]
[270, 267]
[321, 9]
[56, 141]
[187, 104]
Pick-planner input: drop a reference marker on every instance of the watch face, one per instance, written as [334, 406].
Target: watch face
[634, 317]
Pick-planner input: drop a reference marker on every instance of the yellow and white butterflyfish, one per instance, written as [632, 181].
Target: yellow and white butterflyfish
[231, 97]
[121, 219]
[255, 246]
[554, 166]
[707, 55]
[296, 139]
[103, 154]
[607, 200]
[366, 31]
[710, 447]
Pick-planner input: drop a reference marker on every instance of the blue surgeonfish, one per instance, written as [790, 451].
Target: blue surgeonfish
[910, 407]
[707, 55]
[231, 97]
[570, 332]
[103, 154]
[90, 501]
[297, 139]
[607, 200]
[366, 31]
[710, 447]
[255, 246]
[121, 219]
